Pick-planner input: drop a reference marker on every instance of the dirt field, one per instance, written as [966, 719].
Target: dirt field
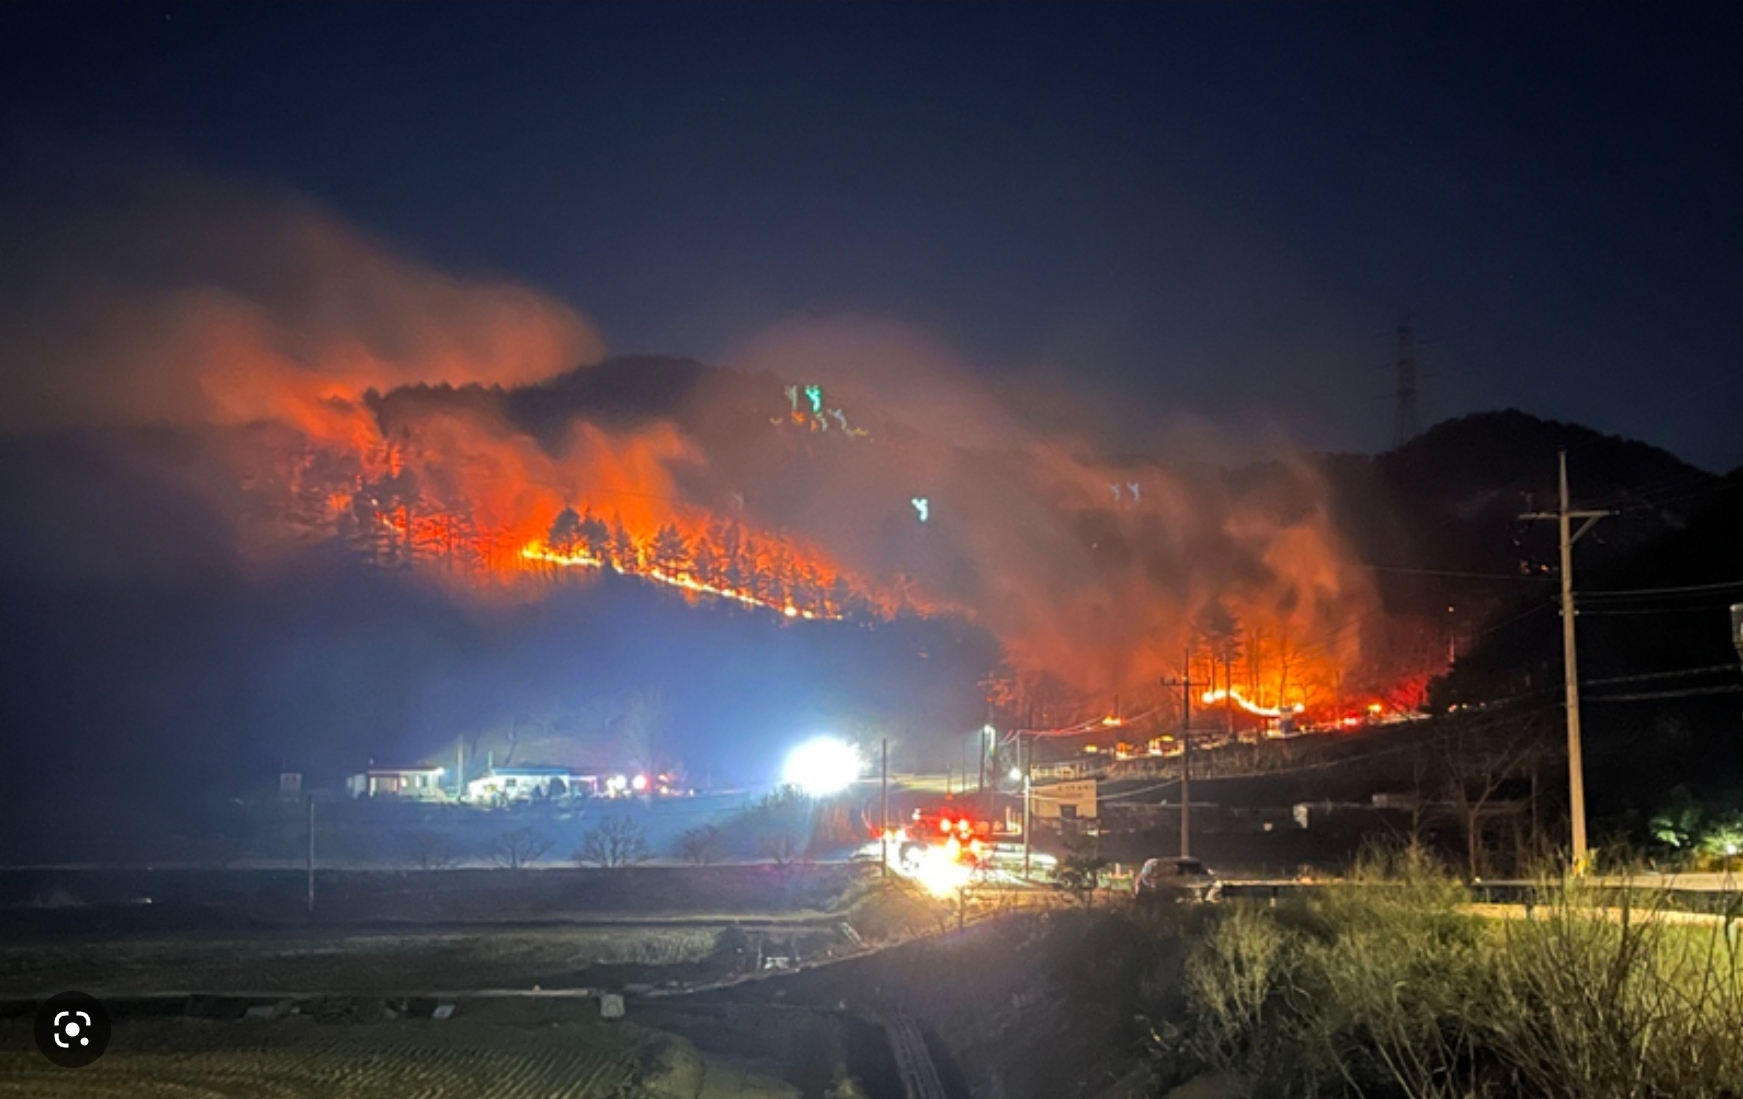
[352, 1007]
[461, 1058]
[550, 958]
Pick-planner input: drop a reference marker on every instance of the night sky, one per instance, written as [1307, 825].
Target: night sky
[1219, 211]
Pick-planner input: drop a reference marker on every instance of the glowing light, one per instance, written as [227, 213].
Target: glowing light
[1016, 774]
[1111, 722]
[538, 551]
[617, 784]
[639, 783]
[923, 506]
[1212, 697]
[940, 872]
[822, 766]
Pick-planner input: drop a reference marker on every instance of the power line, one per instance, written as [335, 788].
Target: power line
[1456, 574]
[1633, 611]
[1708, 670]
[1728, 688]
[1630, 593]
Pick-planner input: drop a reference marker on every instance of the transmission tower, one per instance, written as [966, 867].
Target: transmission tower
[1407, 422]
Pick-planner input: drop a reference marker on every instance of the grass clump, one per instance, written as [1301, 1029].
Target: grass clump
[1392, 985]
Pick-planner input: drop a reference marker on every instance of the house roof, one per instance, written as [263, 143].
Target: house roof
[418, 769]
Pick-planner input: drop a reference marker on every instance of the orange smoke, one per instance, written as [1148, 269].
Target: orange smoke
[272, 320]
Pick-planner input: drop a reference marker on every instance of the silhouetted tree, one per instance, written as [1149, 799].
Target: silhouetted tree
[564, 536]
[619, 841]
[671, 553]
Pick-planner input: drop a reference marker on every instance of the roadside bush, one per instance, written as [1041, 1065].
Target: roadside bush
[1079, 873]
[699, 846]
[431, 850]
[1385, 984]
[781, 848]
[1234, 978]
[1596, 1002]
[1392, 985]
[518, 847]
[619, 841]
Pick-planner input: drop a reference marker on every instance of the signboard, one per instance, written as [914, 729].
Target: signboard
[1066, 799]
[290, 782]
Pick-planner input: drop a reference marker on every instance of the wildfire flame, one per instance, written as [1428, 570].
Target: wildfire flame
[538, 551]
[1210, 698]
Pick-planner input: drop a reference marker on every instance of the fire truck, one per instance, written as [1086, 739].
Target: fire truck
[953, 829]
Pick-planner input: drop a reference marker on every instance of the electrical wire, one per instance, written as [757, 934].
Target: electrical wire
[1729, 688]
[1645, 677]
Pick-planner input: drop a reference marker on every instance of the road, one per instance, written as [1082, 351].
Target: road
[913, 1061]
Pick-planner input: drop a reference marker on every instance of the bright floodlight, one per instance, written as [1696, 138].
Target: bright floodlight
[822, 766]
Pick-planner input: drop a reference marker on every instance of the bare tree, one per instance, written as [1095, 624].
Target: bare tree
[700, 846]
[431, 849]
[619, 841]
[1480, 757]
[780, 848]
[641, 728]
[518, 847]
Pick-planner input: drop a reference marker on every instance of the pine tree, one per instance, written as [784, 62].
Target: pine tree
[671, 552]
[564, 537]
[595, 536]
[624, 552]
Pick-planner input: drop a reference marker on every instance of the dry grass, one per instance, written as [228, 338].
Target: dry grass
[359, 963]
[1392, 986]
[304, 1061]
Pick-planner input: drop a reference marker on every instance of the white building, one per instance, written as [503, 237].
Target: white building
[504, 784]
[421, 783]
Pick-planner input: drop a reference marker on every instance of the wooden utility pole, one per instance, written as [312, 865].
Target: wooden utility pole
[1028, 753]
[884, 814]
[311, 859]
[1576, 777]
[1186, 685]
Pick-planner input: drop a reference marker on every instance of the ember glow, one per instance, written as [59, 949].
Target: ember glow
[1210, 698]
[838, 470]
[538, 551]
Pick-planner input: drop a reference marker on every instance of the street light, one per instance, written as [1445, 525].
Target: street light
[822, 766]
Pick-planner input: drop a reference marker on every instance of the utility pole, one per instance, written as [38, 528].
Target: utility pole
[1028, 753]
[1186, 685]
[311, 860]
[1564, 516]
[985, 744]
[884, 815]
[460, 767]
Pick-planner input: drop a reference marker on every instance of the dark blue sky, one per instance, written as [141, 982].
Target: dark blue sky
[1214, 210]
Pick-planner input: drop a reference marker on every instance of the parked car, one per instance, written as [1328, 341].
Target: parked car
[1177, 878]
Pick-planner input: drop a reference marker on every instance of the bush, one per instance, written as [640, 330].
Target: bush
[699, 846]
[1390, 985]
[518, 847]
[781, 848]
[431, 850]
[619, 841]
[1234, 977]
[1599, 1002]
[1079, 873]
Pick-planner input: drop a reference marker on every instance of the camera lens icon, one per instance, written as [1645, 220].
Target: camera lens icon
[72, 1029]
[70, 1026]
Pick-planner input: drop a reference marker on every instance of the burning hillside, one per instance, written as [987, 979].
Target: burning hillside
[838, 470]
